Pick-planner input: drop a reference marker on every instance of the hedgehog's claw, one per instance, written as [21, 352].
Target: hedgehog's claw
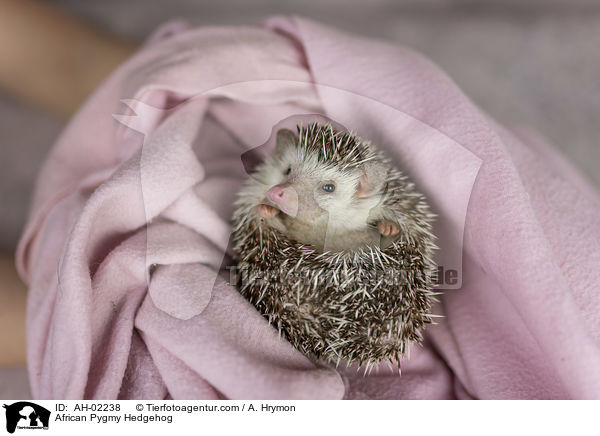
[388, 228]
[266, 211]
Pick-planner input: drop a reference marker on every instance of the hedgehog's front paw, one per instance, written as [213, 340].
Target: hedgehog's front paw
[388, 228]
[266, 211]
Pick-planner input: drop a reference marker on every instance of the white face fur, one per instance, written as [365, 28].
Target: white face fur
[321, 194]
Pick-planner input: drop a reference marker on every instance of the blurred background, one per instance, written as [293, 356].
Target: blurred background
[532, 62]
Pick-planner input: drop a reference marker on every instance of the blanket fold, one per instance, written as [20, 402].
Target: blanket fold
[126, 248]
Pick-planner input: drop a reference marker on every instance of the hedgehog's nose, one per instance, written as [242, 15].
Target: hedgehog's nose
[276, 193]
[285, 197]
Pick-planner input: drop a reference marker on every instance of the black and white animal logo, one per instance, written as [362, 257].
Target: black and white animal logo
[26, 415]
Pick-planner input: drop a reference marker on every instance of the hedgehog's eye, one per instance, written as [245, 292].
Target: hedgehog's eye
[328, 187]
[288, 171]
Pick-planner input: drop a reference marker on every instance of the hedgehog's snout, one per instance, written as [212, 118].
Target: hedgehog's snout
[285, 197]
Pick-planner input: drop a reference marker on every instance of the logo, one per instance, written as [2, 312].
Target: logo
[26, 415]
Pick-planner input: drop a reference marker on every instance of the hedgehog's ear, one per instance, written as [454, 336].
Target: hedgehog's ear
[371, 180]
[285, 138]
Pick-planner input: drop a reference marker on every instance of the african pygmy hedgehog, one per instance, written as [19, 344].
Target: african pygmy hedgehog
[335, 247]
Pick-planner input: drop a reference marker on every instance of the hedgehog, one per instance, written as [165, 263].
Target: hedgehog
[334, 247]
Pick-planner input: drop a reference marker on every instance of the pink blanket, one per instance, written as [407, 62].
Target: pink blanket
[129, 228]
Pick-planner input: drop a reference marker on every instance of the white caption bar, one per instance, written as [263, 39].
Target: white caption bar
[299, 417]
